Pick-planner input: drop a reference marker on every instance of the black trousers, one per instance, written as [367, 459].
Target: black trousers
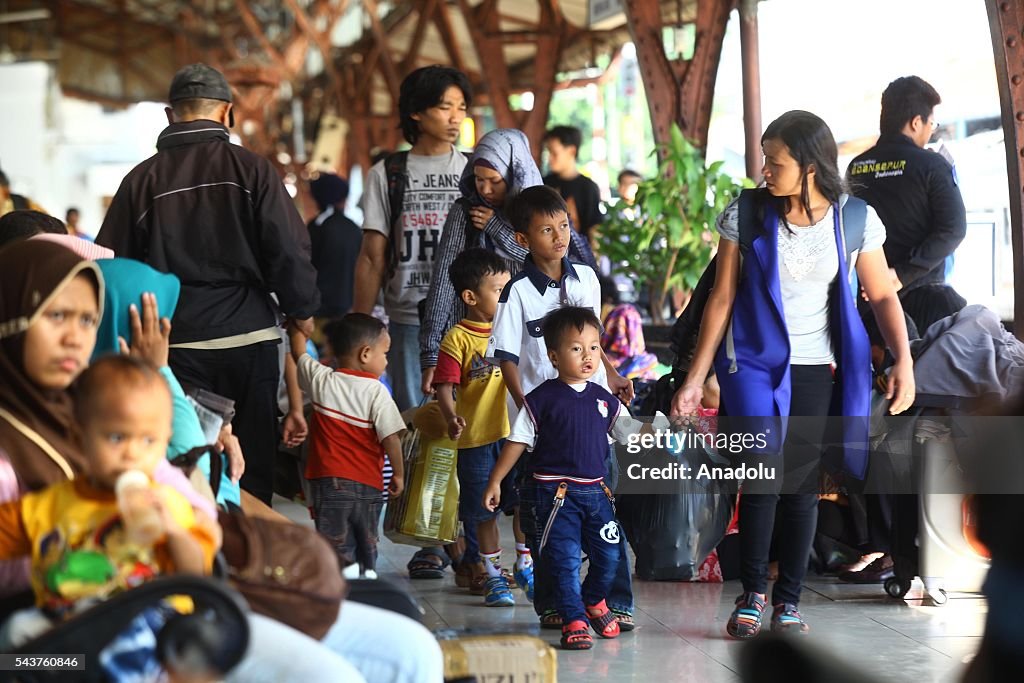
[798, 512]
[248, 375]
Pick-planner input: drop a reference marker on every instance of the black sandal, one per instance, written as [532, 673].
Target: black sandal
[605, 624]
[576, 636]
[550, 619]
[421, 566]
[626, 622]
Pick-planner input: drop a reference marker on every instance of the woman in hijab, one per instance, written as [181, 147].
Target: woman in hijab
[50, 305]
[500, 167]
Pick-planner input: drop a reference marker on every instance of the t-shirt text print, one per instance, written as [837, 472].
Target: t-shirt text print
[431, 189]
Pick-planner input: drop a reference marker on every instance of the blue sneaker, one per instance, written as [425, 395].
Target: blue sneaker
[497, 593]
[524, 578]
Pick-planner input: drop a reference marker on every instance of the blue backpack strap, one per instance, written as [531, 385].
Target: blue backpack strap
[855, 218]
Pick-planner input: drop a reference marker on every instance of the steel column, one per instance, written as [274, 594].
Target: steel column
[1006, 20]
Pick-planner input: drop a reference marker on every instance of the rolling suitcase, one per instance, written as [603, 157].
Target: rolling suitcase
[932, 535]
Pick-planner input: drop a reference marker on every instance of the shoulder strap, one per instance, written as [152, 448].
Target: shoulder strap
[750, 214]
[398, 179]
[855, 218]
[33, 436]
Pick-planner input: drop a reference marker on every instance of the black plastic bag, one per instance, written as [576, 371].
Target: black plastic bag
[673, 533]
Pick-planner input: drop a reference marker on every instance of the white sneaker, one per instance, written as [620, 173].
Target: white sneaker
[351, 571]
[370, 574]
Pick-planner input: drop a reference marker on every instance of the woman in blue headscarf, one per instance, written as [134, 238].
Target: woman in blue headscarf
[135, 290]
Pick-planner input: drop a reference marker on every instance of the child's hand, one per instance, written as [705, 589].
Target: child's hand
[396, 486]
[456, 424]
[303, 326]
[151, 334]
[158, 501]
[228, 443]
[492, 497]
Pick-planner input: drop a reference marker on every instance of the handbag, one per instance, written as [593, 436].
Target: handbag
[287, 572]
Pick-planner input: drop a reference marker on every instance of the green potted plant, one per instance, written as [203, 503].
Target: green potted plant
[665, 240]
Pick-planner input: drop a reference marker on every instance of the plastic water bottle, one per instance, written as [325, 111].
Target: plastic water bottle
[142, 522]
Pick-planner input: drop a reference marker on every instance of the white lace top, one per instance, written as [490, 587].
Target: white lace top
[808, 264]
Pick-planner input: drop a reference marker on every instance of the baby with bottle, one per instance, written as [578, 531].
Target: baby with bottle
[110, 528]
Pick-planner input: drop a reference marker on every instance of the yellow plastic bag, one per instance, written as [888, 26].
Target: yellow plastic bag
[427, 514]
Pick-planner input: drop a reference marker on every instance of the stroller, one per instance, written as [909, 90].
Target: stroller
[963, 366]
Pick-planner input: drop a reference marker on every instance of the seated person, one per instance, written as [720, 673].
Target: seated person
[623, 337]
[84, 545]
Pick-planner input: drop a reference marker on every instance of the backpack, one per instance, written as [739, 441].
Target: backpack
[397, 178]
[683, 339]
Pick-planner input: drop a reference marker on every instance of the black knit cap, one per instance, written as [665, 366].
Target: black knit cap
[199, 81]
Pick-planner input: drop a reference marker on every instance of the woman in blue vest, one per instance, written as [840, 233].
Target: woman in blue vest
[782, 331]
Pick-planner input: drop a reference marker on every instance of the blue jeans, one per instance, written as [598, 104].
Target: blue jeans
[404, 365]
[535, 508]
[585, 520]
[474, 469]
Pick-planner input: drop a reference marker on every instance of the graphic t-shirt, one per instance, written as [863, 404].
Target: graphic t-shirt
[480, 397]
[432, 188]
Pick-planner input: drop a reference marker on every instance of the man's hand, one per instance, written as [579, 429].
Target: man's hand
[455, 426]
[151, 334]
[303, 325]
[396, 486]
[295, 429]
[427, 384]
[492, 496]
[480, 215]
[621, 387]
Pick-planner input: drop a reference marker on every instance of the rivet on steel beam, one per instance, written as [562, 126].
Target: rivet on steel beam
[1020, 116]
[1005, 6]
[1011, 41]
[1022, 152]
[1015, 80]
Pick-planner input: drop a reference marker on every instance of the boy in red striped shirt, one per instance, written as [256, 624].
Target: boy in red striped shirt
[355, 422]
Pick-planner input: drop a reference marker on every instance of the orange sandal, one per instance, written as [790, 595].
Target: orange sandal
[604, 622]
[576, 636]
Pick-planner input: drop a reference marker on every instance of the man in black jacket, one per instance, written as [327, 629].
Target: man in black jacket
[218, 217]
[915, 193]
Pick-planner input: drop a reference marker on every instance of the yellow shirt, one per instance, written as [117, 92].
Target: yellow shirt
[480, 398]
[75, 537]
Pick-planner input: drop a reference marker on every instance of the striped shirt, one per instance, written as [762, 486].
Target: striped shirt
[352, 413]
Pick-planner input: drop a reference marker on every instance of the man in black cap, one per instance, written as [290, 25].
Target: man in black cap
[218, 217]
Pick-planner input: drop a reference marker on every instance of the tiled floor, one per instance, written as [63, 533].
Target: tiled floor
[680, 627]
